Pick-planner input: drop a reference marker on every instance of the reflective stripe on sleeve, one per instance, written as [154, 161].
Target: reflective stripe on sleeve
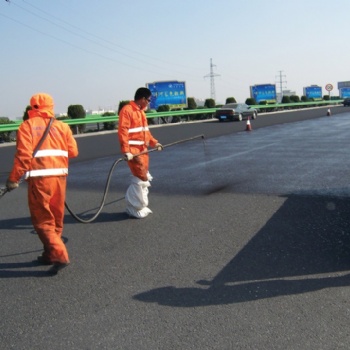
[47, 172]
[51, 152]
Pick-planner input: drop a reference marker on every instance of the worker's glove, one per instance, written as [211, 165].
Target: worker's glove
[10, 185]
[128, 156]
[159, 147]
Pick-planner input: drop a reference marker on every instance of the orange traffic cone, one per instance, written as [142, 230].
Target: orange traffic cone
[329, 112]
[248, 127]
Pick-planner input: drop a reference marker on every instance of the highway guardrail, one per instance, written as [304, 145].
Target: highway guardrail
[98, 118]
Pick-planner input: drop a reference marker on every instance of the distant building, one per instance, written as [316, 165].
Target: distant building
[284, 93]
[100, 111]
[60, 115]
[200, 103]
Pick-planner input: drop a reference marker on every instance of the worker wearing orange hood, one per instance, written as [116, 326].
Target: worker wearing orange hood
[45, 169]
[135, 138]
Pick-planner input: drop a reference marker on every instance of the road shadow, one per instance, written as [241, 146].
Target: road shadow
[25, 223]
[304, 247]
[74, 214]
[21, 269]
[102, 217]
[21, 223]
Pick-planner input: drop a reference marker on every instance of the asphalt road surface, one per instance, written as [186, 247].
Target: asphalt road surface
[248, 246]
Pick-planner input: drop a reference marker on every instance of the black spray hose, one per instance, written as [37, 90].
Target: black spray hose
[3, 191]
[76, 217]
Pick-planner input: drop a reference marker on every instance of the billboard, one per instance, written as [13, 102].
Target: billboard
[344, 92]
[171, 93]
[313, 91]
[343, 84]
[263, 92]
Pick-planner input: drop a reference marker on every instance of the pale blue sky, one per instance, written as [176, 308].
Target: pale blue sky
[97, 53]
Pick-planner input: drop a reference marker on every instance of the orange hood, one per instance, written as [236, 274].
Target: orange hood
[42, 106]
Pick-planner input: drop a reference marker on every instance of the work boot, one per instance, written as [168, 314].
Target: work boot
[43, 261]
[56, 268]
[138, 214]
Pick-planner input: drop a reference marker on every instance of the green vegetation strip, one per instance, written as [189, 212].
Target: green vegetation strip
[97, 118]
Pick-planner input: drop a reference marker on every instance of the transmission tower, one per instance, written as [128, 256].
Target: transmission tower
[212, 75]
[281, 82]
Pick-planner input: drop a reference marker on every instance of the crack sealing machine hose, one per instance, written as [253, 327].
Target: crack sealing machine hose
[76, 217]
[4, 190]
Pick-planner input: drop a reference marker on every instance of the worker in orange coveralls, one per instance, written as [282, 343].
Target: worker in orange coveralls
[45, 170]
[135, 138]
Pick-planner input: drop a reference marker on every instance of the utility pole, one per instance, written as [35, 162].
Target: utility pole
[281, 82]
[212, 75]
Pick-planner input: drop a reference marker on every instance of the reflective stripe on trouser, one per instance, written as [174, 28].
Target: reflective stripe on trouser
[46, 197]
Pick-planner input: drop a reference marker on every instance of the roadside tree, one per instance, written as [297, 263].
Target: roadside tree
[230, 100]
[109, 125]
[209, 103]
[5, 136]
[294, 98]
[163, 108]
[285, 99]
[122, 104]
[25, 113]
[191, 103]
[250, 101]
[77, 112]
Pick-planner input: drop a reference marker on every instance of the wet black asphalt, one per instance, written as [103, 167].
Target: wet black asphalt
[248, 246]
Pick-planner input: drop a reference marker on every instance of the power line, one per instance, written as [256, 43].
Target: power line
[100, 41]
[142, 67]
